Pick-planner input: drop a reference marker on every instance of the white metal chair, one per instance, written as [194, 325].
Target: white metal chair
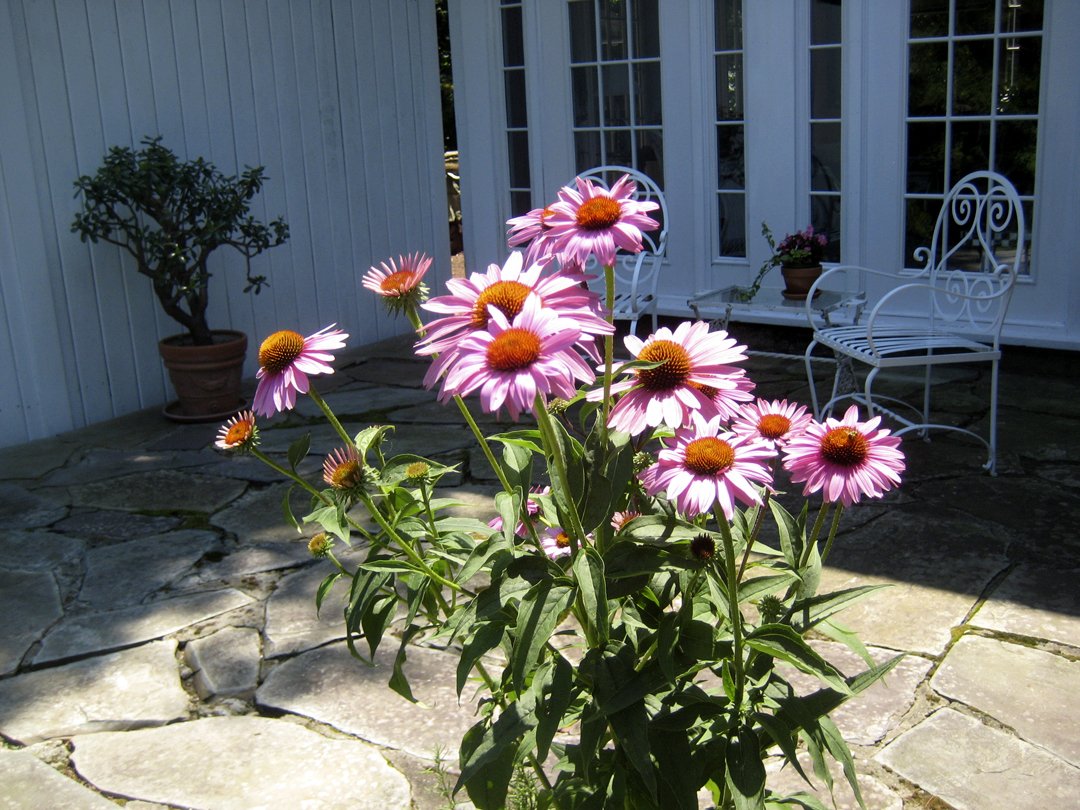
[636, 274]
[959, 299]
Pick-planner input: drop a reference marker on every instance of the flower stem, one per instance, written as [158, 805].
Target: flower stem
[557, 469]
[759, 518]
[269, 462]
[410, 552]
[609, 352]
[733, 608]
[832, 531]
[811, 541]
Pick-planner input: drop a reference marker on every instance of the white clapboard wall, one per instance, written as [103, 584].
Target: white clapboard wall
[338, 99]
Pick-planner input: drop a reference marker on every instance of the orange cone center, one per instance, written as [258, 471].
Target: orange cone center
[598, 213]
[844, 446]
[279, 350]
[506, 296]
[675, 366]
[513, 349]
[709, 456]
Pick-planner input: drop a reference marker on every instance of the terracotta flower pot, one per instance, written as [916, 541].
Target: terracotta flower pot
[206, 378]
[797, 280]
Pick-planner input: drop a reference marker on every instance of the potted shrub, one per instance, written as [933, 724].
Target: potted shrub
[799, 258]
[170, 215]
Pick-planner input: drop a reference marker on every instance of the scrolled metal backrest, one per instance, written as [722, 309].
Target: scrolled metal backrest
[636, 274]
[976, 253]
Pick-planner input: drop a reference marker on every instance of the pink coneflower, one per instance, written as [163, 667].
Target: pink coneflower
[239, 433]
[505, 288]
[286, 358]
[555, 542]
[400, 283]
[845, 458]
[620, 519]
[528, 226]
[701, 466]
[776, 422]
[592, 220]
[695, 375]
[342, 468]
[511, 361]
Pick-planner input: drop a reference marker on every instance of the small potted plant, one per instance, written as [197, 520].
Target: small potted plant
[171, 215]
[799, 258]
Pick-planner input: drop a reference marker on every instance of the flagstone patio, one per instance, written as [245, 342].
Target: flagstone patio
[161, 645]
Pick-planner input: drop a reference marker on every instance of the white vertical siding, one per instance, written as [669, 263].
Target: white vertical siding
[339, 101]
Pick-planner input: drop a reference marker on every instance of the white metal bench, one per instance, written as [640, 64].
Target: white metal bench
[963, 291]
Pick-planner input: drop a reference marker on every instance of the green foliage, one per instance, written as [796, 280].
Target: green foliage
[170, 215]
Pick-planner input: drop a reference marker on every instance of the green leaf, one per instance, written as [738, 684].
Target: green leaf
[745, 774]
[836, 632]
[588, 569]
[375, 620]
[399, 682]
[396, 469]
[286, 508]
[552, 688]
[631, 729]
[540, 611]
[486, 637]
[810, 574]
[760, 586]
[783, 736]
[834, 741]
[332, 519]
[481, 554]
[780, 641]
[367, 437]
[324, 589]
[393, 566]
[800, 799]
[509, 507]
[815, 609]
[487, 765]
[517, 463]
[298, 450]
[790, 530]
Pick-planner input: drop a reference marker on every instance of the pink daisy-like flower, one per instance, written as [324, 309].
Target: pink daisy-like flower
[511, 361]
[702, 466]
[505, 288]
[399, 283]
[620, 519]
[239, 433]
[528, 226]
[592, 220]
[555, 542]
[776, 422]
[695, 375]
[342, 468]
[286, 359]
[845, 458]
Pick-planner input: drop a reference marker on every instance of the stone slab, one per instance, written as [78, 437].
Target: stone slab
[38, 550]
[784, 780]
[364, 402]
[257, 517]
[124, 690]
[99, 526]
[28, 783]
[292, 624]
[971, 766]
[102, 464]
[331, 686]
[226, 663]
[870, 715]
[22, 509]
[936, 562]
[1029, 690]
[35, 459]
[1035, 601]
[126, 573]
[159, 490]
[243, 562]
[30, 604]
[255, 762]
[110, 630]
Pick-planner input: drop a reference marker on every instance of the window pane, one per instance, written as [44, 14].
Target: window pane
[728, 14]
[732, 224]
[582, 31]
[513, 47]
[927, 78]
[921, 215]
[1021, 15]
[926, 158]
[613, 29]
[617, 146]
[1018, 82]
[586, 97]
[520, 203]
[647, 90]
[646, 24]
[825, 83]
[975, 17]
[729, 87]
[1015, 153]
[825, 157]
[517, 145]
[825, 217]
[929, 18]
[825, 19]
[970, 148]
[973, 77]
[731, 171]
[586, 150]
[650, 155]
[515, 98]
[616, 95]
